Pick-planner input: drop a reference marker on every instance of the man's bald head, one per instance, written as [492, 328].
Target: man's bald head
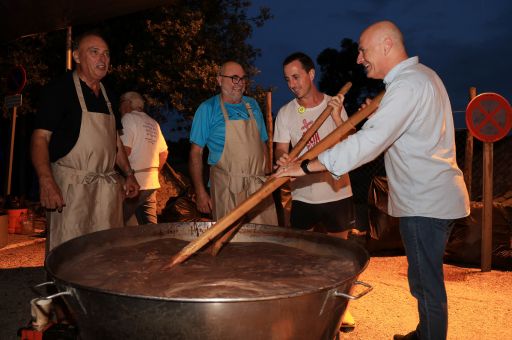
[229, 65]
[232, 80]
[381, 47]
[385, 30]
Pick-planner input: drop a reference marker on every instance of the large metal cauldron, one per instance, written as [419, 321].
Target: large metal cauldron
[311, 314]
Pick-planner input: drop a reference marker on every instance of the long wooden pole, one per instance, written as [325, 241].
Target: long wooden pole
[217, 246]
[69, 48]
[468, 156]
[306, 137]
[316, 125]
[272, 184]
[270, 130]
[486, 250]
[11, 150]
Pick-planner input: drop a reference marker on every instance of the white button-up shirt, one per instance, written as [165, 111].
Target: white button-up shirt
[414, 127]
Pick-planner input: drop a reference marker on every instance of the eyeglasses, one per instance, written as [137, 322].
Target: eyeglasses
[236, 79]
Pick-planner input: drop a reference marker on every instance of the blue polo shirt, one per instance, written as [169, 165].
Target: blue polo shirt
[209, 128]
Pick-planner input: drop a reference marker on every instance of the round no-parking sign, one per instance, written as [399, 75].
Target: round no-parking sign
[16, 79]
[489, 117]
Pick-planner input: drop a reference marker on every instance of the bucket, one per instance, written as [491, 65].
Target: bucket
[14, 220]
[4, 221]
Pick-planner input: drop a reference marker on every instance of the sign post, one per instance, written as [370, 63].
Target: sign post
[489, 118]
[270, 130]
[16, 80]
[468, 156]
[12, 102]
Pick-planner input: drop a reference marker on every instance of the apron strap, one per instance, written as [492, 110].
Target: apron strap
[92, 177]
[109, 105]
[80, 94]
[261, 177]
[150, 169]
[89, 177]
[249, 109]
[225, 112]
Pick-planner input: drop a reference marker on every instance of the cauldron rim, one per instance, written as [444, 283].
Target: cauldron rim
[249, 226]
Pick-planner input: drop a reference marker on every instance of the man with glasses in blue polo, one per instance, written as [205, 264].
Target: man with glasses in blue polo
[231, 125]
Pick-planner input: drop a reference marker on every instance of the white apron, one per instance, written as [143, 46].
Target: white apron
[92, 190]
[241, 171]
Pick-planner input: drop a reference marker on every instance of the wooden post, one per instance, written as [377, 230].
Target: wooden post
[486, 248]
[468, 157]
[270, 130]
[69, 48]
[11, 153]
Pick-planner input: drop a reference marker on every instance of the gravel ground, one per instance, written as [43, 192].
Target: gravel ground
[480, 304]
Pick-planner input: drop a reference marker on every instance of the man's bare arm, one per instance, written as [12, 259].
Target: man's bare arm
[162, 158]
[127, 150]
[281, 153]
[195, 166]
[131, 185]
[50, 194]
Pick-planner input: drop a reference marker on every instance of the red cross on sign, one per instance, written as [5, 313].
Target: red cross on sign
[489, 117]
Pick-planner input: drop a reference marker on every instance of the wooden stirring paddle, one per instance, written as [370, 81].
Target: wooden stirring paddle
[332, 139]
[306, 137]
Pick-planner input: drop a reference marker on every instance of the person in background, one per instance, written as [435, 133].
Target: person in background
[231, 125]
[319, 198]
[75, 147]
[413, 126]
[147, 152]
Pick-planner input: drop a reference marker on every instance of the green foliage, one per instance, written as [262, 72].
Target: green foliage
[170, 54]
[340, 67]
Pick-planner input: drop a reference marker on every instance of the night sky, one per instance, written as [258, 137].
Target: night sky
[468, 43]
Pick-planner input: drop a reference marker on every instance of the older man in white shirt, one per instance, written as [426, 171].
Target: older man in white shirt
[147, 152]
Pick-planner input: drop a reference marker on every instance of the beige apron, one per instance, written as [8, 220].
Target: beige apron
[91, 189]
[240, 170]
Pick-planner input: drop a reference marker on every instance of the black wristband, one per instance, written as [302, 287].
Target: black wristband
[304, 166]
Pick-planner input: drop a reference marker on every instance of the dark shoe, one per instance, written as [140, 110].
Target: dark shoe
[347, 327]
[410, 336]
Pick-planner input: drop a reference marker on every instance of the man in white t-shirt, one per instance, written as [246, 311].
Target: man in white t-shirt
[147, 152]
[317, 198]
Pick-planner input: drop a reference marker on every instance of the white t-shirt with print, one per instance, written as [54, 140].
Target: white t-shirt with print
[143, 135]
[289, 127]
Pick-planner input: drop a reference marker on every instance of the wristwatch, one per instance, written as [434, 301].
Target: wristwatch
[304, 166]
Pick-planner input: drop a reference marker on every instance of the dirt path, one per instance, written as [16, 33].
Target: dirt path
[480, 304]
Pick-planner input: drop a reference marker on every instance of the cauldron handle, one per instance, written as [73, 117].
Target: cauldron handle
[64, 293]
[360, 295]
[48, 283]
[35, 288]
[58, 294]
